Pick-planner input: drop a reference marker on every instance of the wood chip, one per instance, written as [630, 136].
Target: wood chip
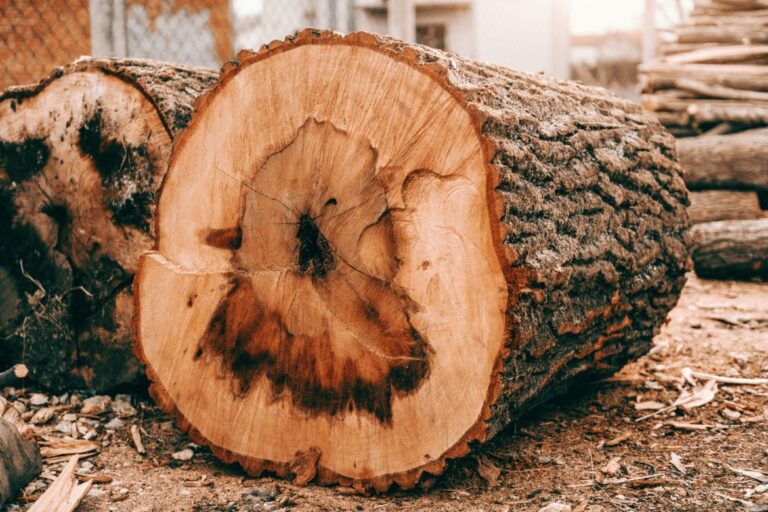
[44, 415]
[96, 479]
[304, 466]
[755, 475]
[681, 425]
[488, 471]
[677, 463]
[612, 467]
[59, 450]
[136, 436]
[699, 396]
[64, 494]
[626, 436]
[649, 405]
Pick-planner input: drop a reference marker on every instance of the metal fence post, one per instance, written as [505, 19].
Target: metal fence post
[108, 28]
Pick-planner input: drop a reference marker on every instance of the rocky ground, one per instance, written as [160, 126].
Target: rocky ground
[661, 435]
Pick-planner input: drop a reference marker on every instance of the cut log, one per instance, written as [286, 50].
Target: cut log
[713, 205]
[737, 161]
[399, 252]
[13, 374]
[738, 76]
[720, 54]
[720, 92]
[722, 34]
[20, 461]
[735, 249]
[82, 155]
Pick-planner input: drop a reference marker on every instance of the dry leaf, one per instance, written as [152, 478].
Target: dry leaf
[488, 470]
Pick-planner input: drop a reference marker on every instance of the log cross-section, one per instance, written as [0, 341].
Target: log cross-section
[371, 254]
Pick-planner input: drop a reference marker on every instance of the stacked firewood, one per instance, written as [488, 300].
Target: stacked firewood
[710, 89]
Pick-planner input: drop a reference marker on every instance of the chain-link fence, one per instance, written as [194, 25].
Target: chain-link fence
[37, 35]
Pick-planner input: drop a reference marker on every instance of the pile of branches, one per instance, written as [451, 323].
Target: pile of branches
[710, 89]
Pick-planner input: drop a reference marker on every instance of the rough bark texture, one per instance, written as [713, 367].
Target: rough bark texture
[714, 205]
[65, 297]
[594, 208]
[731, 249]
[588, 210]
[737, 161]
[20, 461]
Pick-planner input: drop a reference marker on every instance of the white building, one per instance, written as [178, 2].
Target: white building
[529, 35]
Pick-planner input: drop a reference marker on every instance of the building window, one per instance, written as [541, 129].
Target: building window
[431, 35]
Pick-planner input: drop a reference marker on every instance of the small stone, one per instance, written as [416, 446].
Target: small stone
[69, 417]
[95, 404]
[122, 406]
[185, 492]
[183, 455]
[114, 424]
[38, 399]
[556, 507]
[265, 492]
[730, 414]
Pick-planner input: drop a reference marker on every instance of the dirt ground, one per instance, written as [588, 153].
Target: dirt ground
[587, 451]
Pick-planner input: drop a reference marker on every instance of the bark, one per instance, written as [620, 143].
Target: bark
[587, 219]
[714, 205]
[82, 155]
[731, 249]
[20, 461]
[736, 161]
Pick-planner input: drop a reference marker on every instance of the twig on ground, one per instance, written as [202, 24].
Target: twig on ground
[725, 380]
[136, 436]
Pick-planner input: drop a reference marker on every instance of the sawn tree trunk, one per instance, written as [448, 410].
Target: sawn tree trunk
[400, 251]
